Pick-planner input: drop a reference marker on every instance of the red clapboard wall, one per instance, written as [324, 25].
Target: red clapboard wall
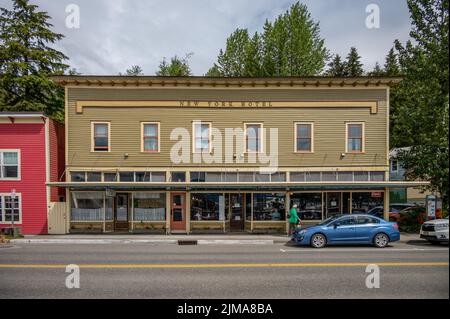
[30, 139]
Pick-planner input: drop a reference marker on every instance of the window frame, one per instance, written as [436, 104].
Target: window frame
[93, 123]
[18, 178]
[396, 166]
[363, 137]
[194, 138]
[261, 138]
[311, 124]
[3, 208]
[143, 137]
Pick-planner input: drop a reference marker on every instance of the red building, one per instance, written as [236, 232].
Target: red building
[31, 153]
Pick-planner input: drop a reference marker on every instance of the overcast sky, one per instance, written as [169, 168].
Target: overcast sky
[115, 34]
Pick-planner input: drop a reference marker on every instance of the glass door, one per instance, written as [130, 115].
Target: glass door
[178, 212]
[121, 212]
[237, 212]
[332, 203]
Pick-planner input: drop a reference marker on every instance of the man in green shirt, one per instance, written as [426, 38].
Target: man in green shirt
[293, 219]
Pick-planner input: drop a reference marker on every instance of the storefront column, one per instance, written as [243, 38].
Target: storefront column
[168, 211]
[188, 212]
[68, 210]
[287, 207]
[386, 204]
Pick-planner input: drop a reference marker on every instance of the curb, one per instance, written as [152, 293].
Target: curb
[147, 241]
[93, 241]
[234, 242]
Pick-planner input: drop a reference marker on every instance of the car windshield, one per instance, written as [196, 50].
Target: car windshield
[329, 219]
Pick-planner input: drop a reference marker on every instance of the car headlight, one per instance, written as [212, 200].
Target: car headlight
[302, 232]
[441, 226]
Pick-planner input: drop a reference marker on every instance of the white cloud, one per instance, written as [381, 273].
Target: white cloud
[116, 34]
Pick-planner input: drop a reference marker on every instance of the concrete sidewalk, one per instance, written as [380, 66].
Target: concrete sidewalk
[199, 239]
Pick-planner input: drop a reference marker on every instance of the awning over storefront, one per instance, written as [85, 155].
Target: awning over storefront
[282, 186]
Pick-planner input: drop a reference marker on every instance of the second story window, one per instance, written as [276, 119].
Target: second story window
[304, 137]
[100, 137]
[150, 137]
[355, 138]
[9, 164]
[253, 137]
[202, 137]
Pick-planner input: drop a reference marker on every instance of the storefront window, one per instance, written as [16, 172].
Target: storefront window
[363, 202]
[269, 206]
[149, 206]
[87, 206]
[309, 205]
[207, 206]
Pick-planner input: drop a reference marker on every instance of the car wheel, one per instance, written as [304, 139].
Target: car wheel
[381, 240]
[318, 241]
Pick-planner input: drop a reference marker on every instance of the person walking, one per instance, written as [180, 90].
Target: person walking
[293, 219]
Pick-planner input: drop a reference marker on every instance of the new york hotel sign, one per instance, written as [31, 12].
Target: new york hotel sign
[372, 105]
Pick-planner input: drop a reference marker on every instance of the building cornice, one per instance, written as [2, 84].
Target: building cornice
[224, 82]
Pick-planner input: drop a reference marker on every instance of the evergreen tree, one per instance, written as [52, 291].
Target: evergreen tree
[27, 61]
[391, 67]
[377, 70]
[336, 67]
[421, 103]
[353, 66]
[176, 67]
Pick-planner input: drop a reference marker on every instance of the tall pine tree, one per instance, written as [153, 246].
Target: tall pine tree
[27, 60]
[336, 67]
[353, 65]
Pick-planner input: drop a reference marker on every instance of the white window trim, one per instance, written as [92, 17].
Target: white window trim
[92, 136]
[363, 142]
[3, 212]
[18, 178]
[142, 137]
[194, 150]
[261, 138]
[312, 137]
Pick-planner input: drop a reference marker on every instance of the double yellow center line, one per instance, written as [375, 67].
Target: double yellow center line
[259, 265]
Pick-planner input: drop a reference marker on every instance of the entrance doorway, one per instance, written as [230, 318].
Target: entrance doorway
[178, 212]
[237, 204]
[337, 203]
[121, 212]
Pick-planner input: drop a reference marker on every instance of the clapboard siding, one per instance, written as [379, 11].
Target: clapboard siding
[329, 124]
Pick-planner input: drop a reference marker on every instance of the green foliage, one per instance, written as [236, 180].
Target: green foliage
[336, 67]
[377, 70]
[391, 66]
[290, 46]
[353, 66]
[176, 67]
[27, 61]
[420, 104]
[213, 71]
[134, 70]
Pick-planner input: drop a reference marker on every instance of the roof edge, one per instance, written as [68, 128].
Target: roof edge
[228, 82]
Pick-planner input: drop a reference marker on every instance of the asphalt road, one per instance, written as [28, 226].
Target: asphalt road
[407, 270]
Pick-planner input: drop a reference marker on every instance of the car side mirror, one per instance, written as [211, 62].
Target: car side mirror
[336, 225]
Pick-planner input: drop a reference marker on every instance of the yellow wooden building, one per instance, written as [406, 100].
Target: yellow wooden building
[198, 154]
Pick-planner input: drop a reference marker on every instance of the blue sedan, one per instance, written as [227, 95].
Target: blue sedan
[348, 229]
